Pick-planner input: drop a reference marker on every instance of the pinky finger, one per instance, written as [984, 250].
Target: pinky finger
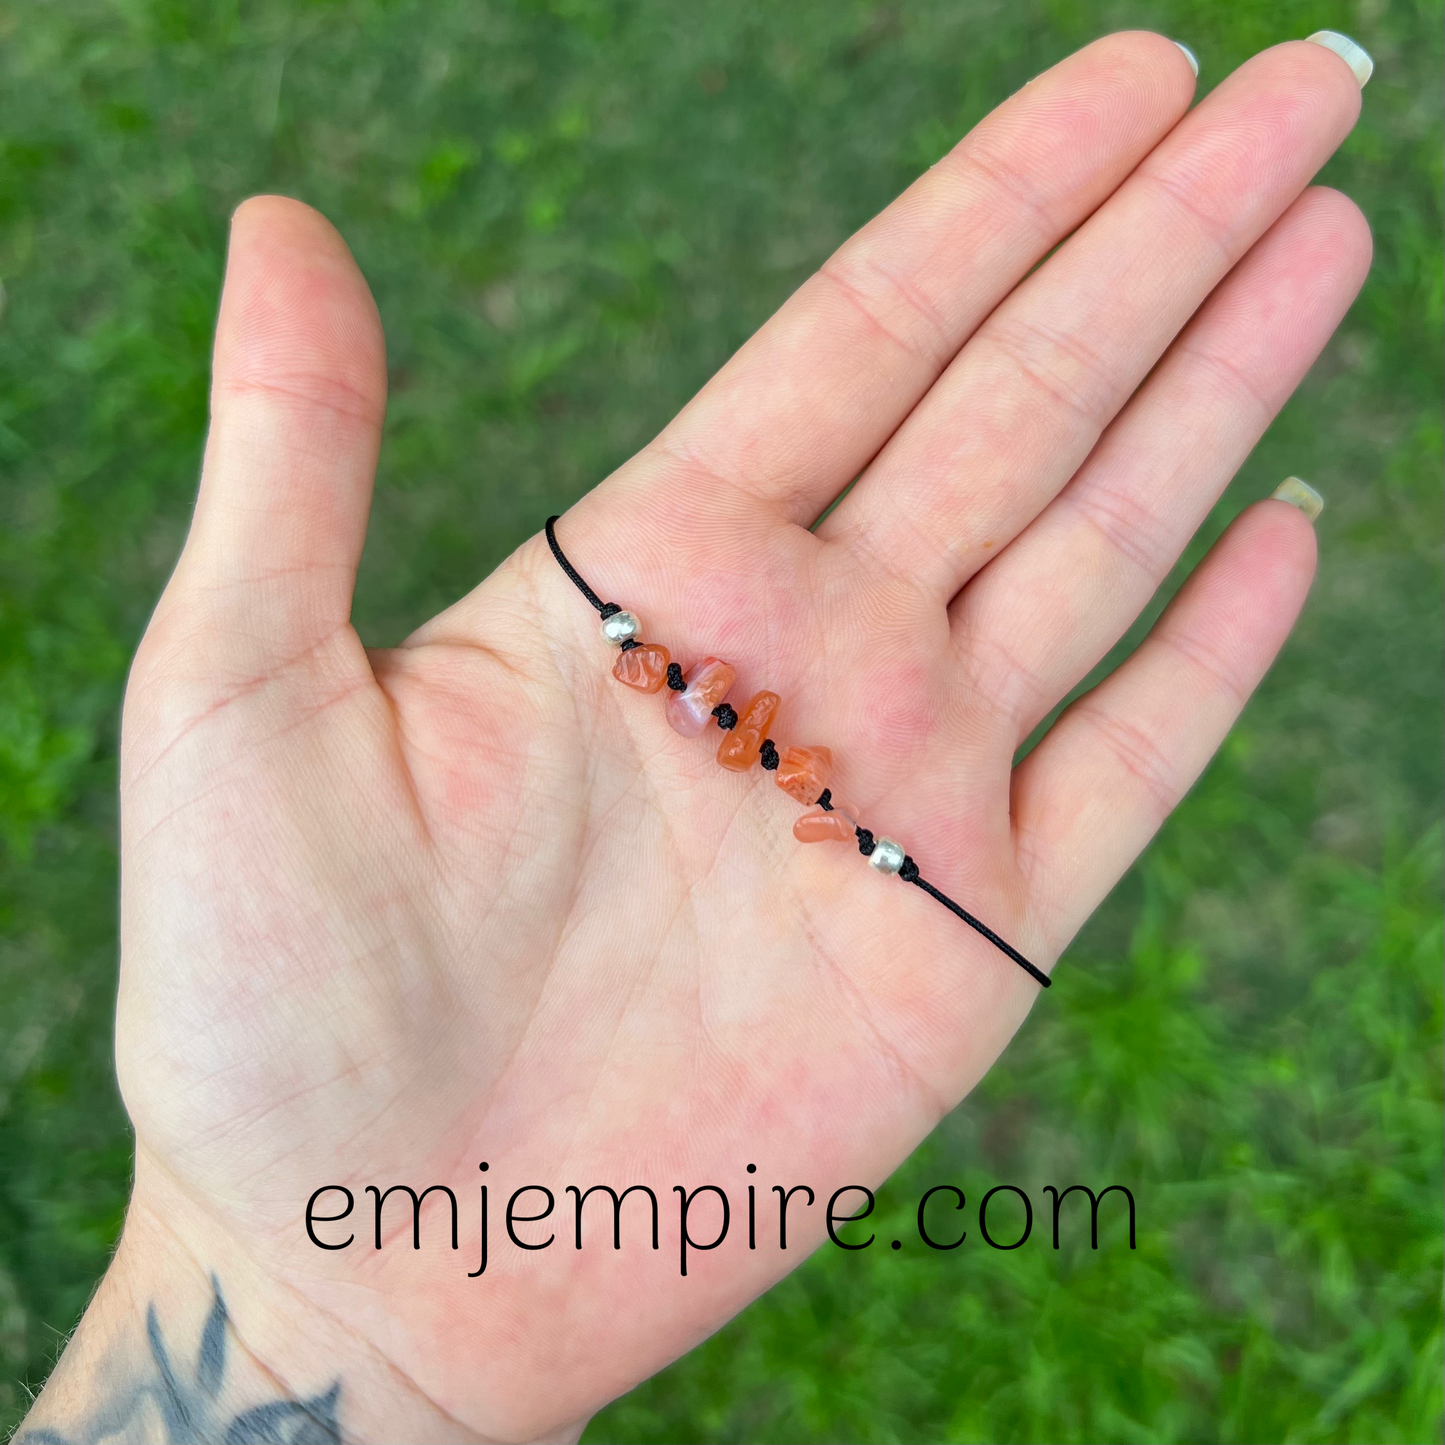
[1118, 761]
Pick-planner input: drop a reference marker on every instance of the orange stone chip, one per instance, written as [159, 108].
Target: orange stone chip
[817, 826]
[803, 773]
[739, 748]
[644, 667]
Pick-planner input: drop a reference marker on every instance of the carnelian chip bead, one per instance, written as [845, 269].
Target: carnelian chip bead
[643, 667]
[803, 773]
[818, 825]
[740, 746]
[690, 711]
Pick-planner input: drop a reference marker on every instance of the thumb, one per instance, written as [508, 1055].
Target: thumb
[297, 400]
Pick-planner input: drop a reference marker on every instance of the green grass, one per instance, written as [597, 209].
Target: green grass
[571, 211]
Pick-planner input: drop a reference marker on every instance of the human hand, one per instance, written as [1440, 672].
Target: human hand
[389, 914]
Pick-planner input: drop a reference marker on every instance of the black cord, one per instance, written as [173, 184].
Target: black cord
[607, 609]
[1044, 981]
[728, 718]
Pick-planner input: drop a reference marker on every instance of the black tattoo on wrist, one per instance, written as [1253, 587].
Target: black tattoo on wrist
[183, 1411]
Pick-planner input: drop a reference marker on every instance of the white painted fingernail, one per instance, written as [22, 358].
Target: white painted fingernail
[1300, 494]
[1190, 56]
[1355, 56]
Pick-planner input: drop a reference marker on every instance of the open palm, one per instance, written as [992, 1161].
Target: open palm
[390, 914]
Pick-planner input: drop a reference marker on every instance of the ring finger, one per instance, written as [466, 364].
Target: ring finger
[1033, 624]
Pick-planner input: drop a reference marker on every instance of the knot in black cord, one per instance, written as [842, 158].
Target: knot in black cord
[865, 841]
[609, 609]
[674, 677]
[768, 754]
[909, 871]
[726, 715]
[630, 644]
[825, 800]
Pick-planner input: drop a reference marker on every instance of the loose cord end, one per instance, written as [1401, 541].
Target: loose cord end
[607, 609]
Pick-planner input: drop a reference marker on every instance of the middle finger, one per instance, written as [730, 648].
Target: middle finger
[1019, 409]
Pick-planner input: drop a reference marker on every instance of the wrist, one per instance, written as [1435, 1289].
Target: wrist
[187, 1337]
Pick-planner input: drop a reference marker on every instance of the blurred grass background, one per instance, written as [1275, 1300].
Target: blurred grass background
[571, 211]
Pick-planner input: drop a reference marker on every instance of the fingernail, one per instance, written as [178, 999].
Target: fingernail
[1190, 56]
[1300, 494]
[1355, 56]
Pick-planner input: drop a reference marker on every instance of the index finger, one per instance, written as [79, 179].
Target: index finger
[809, 400]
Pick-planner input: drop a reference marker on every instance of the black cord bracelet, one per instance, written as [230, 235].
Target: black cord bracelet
[803, 773]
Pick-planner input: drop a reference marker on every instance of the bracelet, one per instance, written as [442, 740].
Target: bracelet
[803, 773]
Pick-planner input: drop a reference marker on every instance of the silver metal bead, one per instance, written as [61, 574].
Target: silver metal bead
[887, 856]
[619, 628]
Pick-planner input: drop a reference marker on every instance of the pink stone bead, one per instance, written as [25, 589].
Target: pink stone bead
[818, 826]
[690, 711]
